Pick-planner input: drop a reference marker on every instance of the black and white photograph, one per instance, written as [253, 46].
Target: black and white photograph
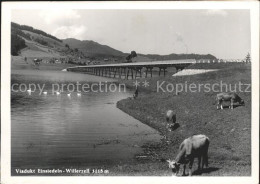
[167, 90]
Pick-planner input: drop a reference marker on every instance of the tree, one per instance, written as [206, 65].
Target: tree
[129, 57]
[17, 44]
[248, 58]
[67, 46]
[133, 54]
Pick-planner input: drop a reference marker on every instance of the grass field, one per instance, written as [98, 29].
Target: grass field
[18, 63]
[229, 130]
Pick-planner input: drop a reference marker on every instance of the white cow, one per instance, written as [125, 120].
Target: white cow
[195, 146]
[231, 97]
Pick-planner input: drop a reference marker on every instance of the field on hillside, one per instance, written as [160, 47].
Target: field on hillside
[229, 130]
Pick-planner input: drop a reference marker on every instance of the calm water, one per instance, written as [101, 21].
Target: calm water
[50, 131]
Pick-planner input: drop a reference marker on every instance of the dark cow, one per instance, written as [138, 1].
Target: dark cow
[170, 119]
[232, 97]
[195, 146]
[135, 95]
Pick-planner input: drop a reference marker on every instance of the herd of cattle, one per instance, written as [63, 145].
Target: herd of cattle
[196, 146]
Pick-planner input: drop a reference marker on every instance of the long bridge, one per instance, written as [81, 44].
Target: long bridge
[132, 70]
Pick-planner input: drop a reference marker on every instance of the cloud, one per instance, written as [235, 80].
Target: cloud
[74, 31]
[59, 16]
[216, 12]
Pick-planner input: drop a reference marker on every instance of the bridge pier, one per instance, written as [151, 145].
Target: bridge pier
[109, 72]
[151, 71]
[99, 71]
[123, 72]
[106, 71]
[119, 72]
[102, 71]
[115, 72]
[162, 68]
[131, 73]
[138, 70]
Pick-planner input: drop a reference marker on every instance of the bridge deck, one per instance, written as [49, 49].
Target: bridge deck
[128, 69]
[142, 64]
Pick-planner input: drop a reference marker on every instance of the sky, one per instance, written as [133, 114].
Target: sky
[222, 33]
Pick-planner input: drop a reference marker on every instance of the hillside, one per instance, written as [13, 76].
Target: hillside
[17, 27]
[93, 49]
[32, 43]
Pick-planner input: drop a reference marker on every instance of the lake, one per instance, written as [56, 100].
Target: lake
[61, 131]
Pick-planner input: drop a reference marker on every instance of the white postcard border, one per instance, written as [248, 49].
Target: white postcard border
[5, 90]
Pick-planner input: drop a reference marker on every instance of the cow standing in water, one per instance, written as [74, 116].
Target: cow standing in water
[195, 146]
[232, 97]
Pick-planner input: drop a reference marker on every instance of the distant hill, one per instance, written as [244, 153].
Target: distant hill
[179, 56]
[93, 49]
[32, 43]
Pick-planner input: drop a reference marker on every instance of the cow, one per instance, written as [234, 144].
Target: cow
[195, 146]
[232, 97]
[37, 61]
[135, 95]
[170, 119]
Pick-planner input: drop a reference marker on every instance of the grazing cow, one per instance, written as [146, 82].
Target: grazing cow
[232, 97]
[190, 148]
[170, 119]
[37, 61]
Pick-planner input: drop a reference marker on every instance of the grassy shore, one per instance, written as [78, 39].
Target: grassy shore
[229, 130]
